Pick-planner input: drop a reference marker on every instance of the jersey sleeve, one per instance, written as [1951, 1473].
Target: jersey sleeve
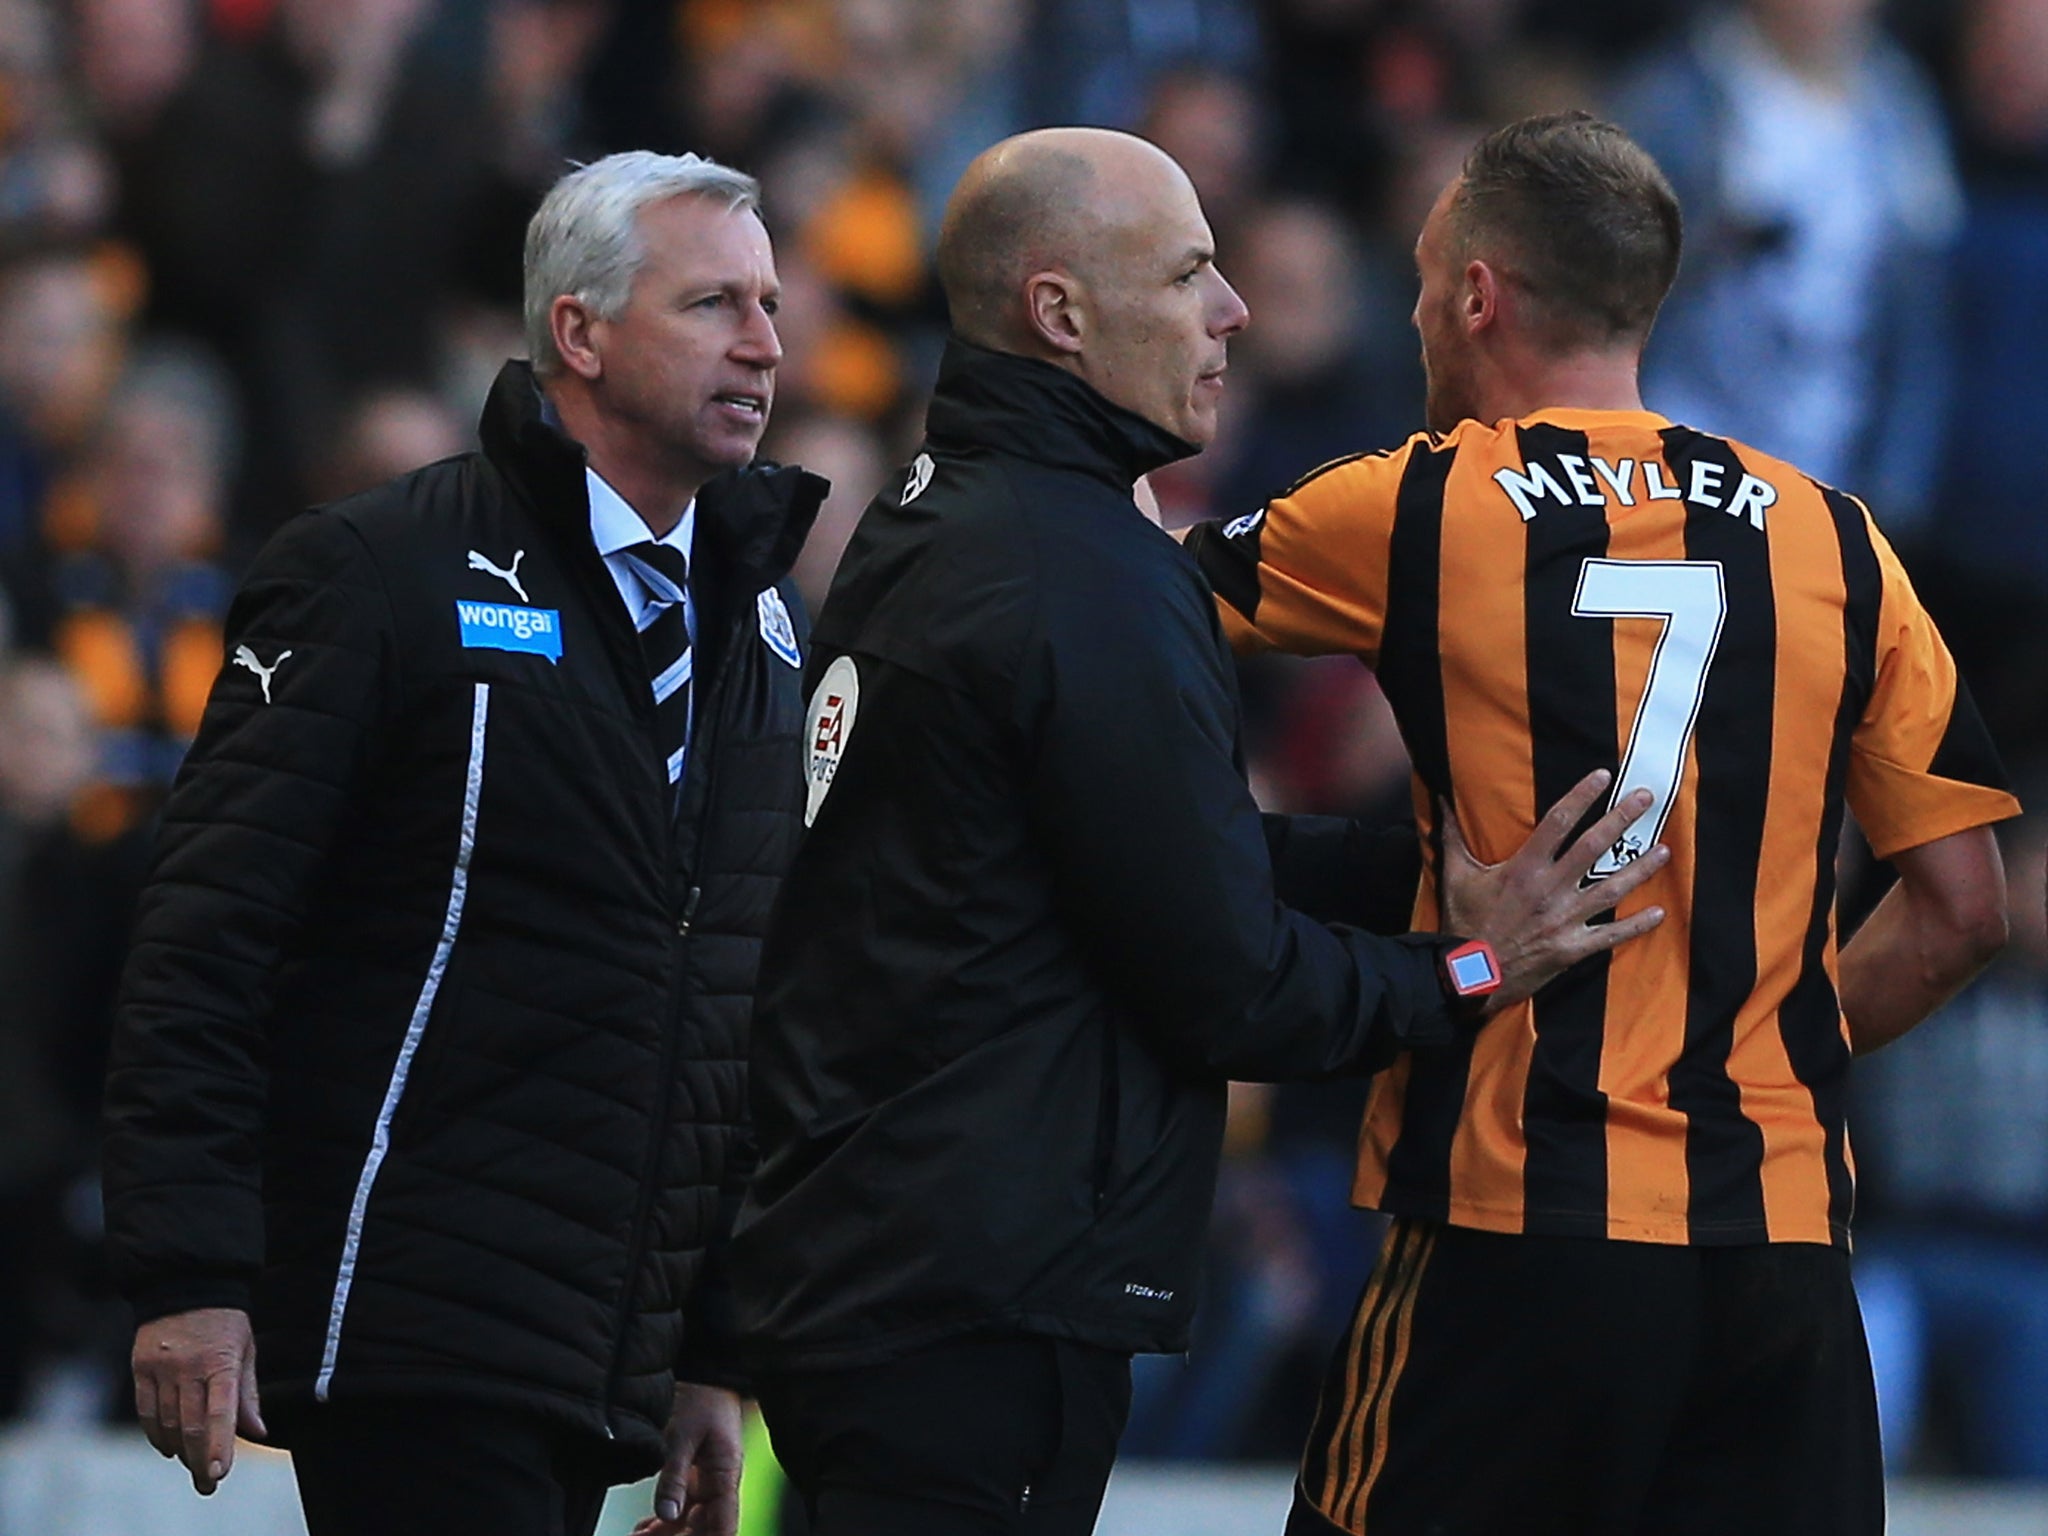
[1307, 572]
[1921, 764]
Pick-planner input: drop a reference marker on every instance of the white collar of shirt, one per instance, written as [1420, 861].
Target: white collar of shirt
[616, 527]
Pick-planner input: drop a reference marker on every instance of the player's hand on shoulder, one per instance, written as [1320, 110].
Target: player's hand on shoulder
[1535, 907]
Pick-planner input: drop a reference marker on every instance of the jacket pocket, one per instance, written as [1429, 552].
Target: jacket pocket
[1106, 1116]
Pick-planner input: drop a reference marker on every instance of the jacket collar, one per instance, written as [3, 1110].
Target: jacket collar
[752, 521]
[1021, 406]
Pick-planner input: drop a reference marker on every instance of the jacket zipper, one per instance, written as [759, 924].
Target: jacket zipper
[665, 1089]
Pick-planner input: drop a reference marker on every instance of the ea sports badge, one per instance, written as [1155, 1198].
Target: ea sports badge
[827, 724]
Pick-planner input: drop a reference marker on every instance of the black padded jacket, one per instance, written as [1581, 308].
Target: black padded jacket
[1034, 927]
[431, 1046]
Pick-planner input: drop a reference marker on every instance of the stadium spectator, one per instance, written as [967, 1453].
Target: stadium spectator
[1314, 386]
[133, 55]
[55, 181]
[384, 434]
[536, 57]
[839, 363]
[1033, 928]
[857, 263]
[1208, 120]
[429, 1063]
[137, 596]
[1618, 1270]
[538, 52]
[848, 454]
[986, 49]
[1094, 60]
[63, 342]
[300, 199]
[1821, 203]
[1986, 563]
[1956, 1118]
[63, 317]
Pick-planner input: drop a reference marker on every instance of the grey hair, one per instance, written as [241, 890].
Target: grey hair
[584, 239]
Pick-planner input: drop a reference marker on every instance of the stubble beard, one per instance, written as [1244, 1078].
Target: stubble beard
[1447, 396]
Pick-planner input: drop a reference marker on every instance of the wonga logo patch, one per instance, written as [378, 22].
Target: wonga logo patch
[507, 627]
[827, 724]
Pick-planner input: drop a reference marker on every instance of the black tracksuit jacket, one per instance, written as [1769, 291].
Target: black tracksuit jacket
[1033, 929]
[431, 1046]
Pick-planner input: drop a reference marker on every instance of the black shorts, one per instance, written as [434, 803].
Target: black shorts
[1494, 1385]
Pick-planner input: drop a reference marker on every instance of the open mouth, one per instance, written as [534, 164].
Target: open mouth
[743, 402]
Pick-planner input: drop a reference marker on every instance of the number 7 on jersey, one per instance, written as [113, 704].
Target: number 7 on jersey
[1692, 600]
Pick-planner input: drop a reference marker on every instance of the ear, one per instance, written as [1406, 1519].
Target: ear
[1055, 311]
[571, 322]
[1479, 306]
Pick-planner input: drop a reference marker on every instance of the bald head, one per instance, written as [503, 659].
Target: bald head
[1087, 249]
[1057, 199]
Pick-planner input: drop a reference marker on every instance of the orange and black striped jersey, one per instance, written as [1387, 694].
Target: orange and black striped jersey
[1603, 589]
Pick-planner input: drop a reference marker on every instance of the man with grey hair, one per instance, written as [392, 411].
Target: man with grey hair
[427, 1108]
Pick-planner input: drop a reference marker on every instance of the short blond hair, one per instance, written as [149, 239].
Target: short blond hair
[1581, 216]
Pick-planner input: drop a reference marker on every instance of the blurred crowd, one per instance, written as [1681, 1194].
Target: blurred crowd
[257, 254]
